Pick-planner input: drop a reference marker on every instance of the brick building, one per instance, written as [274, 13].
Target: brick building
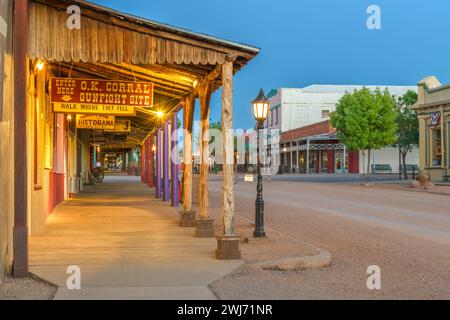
[308, 143]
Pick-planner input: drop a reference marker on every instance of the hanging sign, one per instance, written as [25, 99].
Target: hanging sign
[99, 96]
[121, 126]
[124, 145]
[95, 121]
[435, 118]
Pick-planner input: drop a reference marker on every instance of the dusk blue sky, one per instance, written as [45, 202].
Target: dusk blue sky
[314, 42]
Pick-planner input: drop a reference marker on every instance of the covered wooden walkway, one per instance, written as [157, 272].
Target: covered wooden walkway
[124, 239]
[182, 66]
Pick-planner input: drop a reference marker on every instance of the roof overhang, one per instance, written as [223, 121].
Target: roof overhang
[115, 45]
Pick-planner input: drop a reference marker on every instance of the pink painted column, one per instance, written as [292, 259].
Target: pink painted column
[174, 162]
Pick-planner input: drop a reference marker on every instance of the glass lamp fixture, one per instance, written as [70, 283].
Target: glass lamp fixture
[260, 107]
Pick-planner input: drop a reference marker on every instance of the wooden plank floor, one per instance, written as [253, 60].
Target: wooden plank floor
[117, 222]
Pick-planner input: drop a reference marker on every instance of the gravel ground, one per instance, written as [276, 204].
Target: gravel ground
[26, 289]
[407, 234]
[439, 189]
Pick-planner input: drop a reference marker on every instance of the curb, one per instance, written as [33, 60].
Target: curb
[321, 260]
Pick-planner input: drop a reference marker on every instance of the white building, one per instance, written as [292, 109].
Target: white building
[302, 114]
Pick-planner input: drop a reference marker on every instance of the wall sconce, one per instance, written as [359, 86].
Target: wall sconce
[38, 65]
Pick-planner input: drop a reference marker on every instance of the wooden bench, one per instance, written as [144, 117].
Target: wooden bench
[381, 167]
[413, 168]
[410, 167]
[445, 177]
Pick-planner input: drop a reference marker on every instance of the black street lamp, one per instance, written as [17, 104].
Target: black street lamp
[260, 111]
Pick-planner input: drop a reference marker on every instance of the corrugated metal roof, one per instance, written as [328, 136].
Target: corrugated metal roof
[169, 27]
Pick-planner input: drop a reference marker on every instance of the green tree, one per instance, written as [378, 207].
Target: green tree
[366, 120]
[407, 126]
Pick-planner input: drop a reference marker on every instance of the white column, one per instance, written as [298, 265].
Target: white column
[307, 156]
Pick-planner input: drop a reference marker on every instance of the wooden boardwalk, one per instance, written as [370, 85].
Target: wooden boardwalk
[119, 221]
[127, 244]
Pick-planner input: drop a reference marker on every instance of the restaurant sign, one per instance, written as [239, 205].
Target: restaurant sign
[73, 95]
[95, 121]
[121, 126]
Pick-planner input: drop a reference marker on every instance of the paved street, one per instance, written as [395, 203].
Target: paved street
[407, 234]
[334, 178]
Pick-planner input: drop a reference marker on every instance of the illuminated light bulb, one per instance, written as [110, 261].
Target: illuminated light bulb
[39, 66]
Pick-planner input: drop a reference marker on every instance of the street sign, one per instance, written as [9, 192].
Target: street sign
[73, 95]
[95, 121]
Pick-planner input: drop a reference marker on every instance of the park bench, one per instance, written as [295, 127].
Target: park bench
[381, 167]
[445, 177]
[413, 168]
[410, 168]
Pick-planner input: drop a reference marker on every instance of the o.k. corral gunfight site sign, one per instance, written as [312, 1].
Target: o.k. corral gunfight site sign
[95, 121]
[95, 96]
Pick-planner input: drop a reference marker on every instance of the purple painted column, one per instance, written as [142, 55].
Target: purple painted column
[166, 195]
[174, 162]
[158, 163]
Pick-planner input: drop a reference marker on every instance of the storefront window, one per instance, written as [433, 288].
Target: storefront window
[436, 147]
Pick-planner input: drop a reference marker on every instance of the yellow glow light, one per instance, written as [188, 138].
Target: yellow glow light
[159, 114]
[195, 83]
[69, 117]
[39, 66]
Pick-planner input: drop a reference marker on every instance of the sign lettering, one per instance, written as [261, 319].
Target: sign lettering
[85, 121]
[100, 96]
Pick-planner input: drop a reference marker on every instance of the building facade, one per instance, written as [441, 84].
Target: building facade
[433, 109]
[309, 144]
[52, 73]
[6, 136]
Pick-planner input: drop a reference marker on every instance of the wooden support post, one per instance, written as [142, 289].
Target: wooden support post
[150, 181]
[228, 243]
[174, 162]
[20, 230]
[143, 162]
[204, 226]
[187, 173]
[166, 195]
[187, 215]
[205, 96]
[228, 149]
[158, 163]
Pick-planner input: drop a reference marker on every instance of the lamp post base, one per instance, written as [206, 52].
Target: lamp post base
[228, 247]
[259, 234]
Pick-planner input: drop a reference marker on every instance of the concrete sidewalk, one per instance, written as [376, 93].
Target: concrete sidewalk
[127, 244]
